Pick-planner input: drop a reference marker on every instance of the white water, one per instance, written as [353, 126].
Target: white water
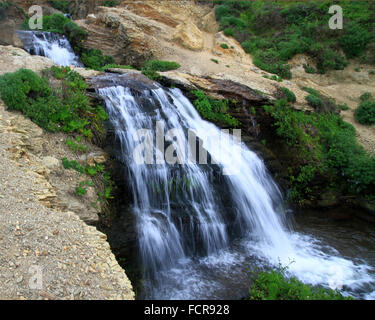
[50, 45]
[170, 238]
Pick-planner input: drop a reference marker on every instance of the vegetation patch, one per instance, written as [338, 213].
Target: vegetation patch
[213, 110]
[63, 6]
[324, 145]
[275, 31]
[151, 68]
[276, 285]
[110, 3]
[365, 113]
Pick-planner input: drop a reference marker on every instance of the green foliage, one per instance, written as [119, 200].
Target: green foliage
[213, 110]
[151, 67]
[27, 92]
[326, 142]
[289, 95]
[76, 147]
[309, 69]
[4, 5]
[158, 65]
[215, 60]
[94, 59]
[344, 107]
[110, 3]
[274, 78]
[66, 109]
[276, 285]
[63, 6]
[224, 46]
[365, 113]
[116, 66]
[73, 165]
[355, 40]
[319, 102]
[273, 32]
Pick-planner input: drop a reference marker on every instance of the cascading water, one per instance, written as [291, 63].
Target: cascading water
[51, 45]
[185, 218]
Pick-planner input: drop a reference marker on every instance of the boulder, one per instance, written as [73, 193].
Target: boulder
[189, 36]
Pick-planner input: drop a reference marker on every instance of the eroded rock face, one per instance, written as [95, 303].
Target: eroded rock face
[120, 34]
[12, 59]
[189, 36]
[81, 8]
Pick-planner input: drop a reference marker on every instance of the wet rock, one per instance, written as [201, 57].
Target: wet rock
[328, 199]
[367, 210]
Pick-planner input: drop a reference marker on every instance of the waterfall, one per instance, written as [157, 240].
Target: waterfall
[188, 215]
[51, 45]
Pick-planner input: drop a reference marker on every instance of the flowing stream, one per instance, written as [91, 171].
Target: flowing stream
[199, 230]
[51, 45]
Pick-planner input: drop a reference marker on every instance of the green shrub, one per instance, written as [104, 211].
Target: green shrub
[365, 113]
[72, 165]
[224, 46]
[94, 59]
[309, 69]
[158, 65]
[289, 95]
[110, 3]
[151, 67]
[66, 109]
[276, 285]
[215, 60]
[329, 144]
[60, 5]
[274, 32]
[27, 92]
[213, 110]
[355, 40]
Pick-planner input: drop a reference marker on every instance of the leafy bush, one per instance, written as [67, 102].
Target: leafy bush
[329, 144]
[60, 5]
[224, 46]
[94, 59]
[66, 109]
[25, 91]
[213, 110]
[355, 40]
[289, 95]
[365, 113]
[110, 3]
[158, 65]
[274, 32]
[275, 285]
[151, 67]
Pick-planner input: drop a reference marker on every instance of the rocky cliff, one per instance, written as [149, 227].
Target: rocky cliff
[44, 225]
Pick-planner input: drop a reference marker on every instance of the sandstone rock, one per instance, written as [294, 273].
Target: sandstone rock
[81, 8]
[12, 59]
[7, 35]
[209, 23]
[91, 18]
[51, 163]
[189, 36]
